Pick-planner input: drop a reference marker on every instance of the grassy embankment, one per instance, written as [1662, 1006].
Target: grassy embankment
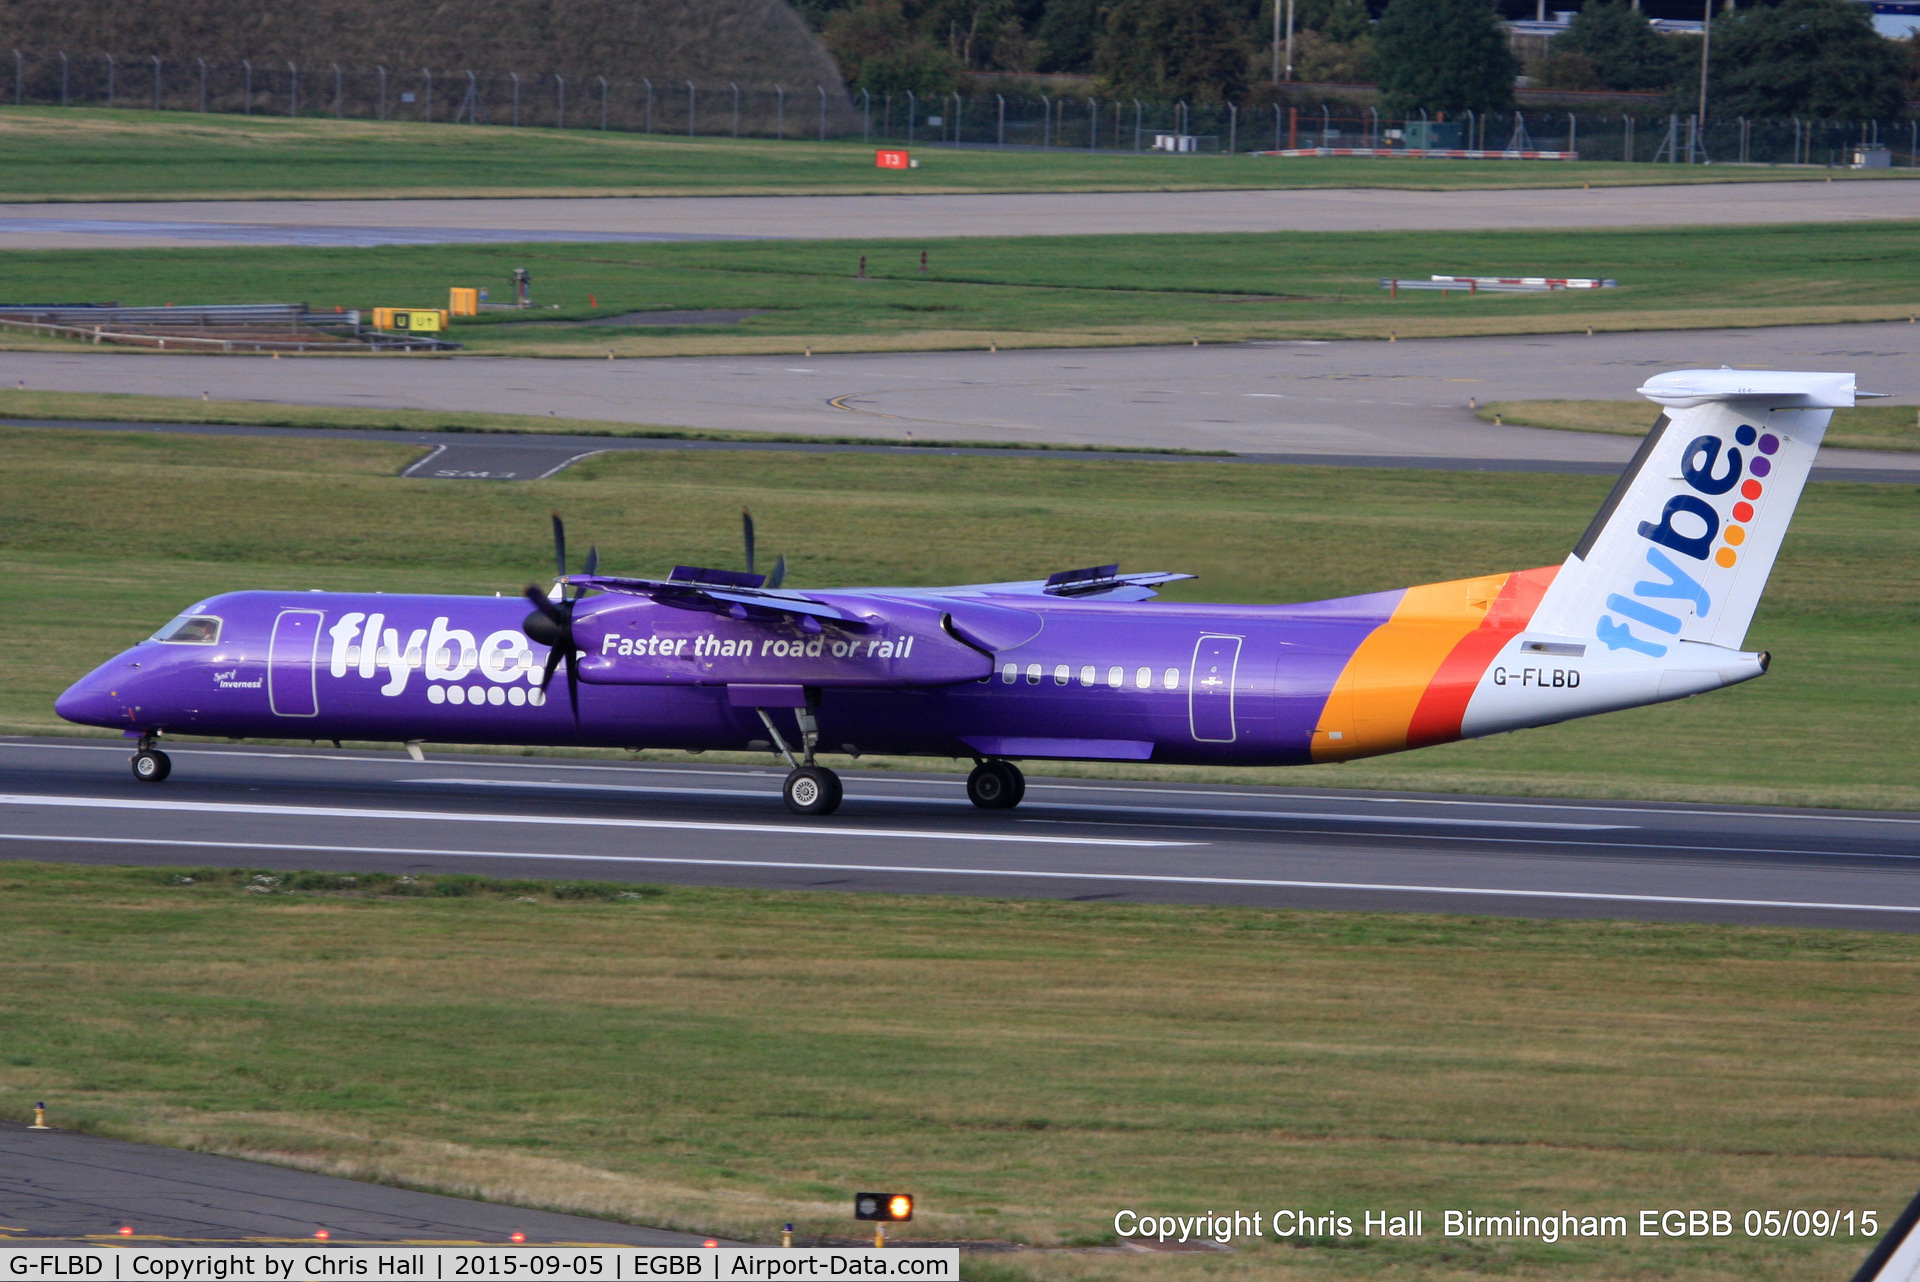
[90, 153]
[728, 1060]
[129, 529]
[1042, 291]
[1869, 427]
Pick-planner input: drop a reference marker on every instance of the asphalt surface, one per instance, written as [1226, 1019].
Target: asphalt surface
[60, 1186]
[360, 811]
[651, 218]
[1331, 401]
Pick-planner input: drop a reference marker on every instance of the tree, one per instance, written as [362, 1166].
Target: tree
[1621, 48]
[878, 51]
[1191, 50]
[1069, 34]
[1819, 58]
[1444, 55]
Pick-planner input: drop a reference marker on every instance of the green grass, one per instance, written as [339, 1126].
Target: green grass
[112, 534]
[1867, 427]
[81, 153]
[1043, 290]
[725, 1061]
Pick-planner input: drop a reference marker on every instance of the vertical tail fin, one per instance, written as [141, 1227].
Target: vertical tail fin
[1682, 548]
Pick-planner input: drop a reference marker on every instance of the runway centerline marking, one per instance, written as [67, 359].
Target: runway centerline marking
[569, 821]
[1275, 883]
[1324, 816]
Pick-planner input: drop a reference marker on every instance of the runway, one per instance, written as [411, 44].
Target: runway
[1334, 400]
[60, 1186]
[357, 223]
[75, 801]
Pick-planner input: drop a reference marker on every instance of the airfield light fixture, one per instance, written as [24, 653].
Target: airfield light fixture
[884, 1207]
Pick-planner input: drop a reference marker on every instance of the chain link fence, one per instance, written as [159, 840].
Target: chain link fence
[642, 104]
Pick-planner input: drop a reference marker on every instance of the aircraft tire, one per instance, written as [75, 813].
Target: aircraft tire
[150, 765]
[996, 785]
[812, 790]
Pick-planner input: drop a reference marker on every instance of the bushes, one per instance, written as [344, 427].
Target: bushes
[368, 885]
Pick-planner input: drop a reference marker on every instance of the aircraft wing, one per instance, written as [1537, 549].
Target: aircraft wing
[736, 600]
[1102, 582]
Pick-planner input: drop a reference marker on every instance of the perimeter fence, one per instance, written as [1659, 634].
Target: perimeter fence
[644, 104]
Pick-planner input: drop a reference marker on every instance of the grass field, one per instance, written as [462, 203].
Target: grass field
[1042, 291]
[137, 526]
[90, 153]
[728, 1060]
[1868, 427]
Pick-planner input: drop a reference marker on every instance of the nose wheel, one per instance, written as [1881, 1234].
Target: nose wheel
[812, 790]
[150, 765]
[996, 785]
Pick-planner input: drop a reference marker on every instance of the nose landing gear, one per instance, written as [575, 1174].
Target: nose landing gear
[996, 785]
[150, 765]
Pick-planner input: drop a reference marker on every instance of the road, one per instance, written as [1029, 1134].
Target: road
[76, 801]
[1334, 400]
[60, 1186]
[413, 222]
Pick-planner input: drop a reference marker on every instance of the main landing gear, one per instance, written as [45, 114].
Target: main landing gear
[996, 785]
[150, 765]
[810, 789]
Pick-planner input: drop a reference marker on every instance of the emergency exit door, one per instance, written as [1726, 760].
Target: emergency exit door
[1216, 659]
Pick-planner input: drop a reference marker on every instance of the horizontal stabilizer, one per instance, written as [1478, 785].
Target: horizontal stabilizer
[1685, 389]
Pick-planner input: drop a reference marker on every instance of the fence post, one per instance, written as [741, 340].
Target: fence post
[1326, 125]
[560, 81]
[1136, 124]
[109, 58]
[293, 90]
[649, 84]
[1093, 124]
[1046, 121]
[1276, 126]
[693, 107]
[383, 90]
[515, 77]
[1743, 140]
[736, 108]
[957, 107]
[1233, 129]
[603, 103]
[429, 103]
[156, 82]
[63, 77]
[1003, 118]
[246, 92]
[822, 91]
[19, 78]
[1573, 125]
[779, 112]
[339, 90]
[913, 109]
[866, 115]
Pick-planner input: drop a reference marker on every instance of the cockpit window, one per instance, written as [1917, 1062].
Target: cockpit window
[191, 629]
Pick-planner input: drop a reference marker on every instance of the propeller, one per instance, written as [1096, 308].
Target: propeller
[551, 623]
[779, 574]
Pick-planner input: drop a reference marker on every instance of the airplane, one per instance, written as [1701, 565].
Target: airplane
[1652, 604]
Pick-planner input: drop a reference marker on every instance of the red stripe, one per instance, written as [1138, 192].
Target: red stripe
[1437, 717]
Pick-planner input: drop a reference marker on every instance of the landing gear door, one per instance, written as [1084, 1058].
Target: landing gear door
[292, 677]
[1216, 661]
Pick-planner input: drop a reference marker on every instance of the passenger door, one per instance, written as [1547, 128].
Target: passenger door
[1216, 662]
[292, 676]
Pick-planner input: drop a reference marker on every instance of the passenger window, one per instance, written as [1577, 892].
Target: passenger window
[1144, 678]
[1010, 673]
[1116, 676]
[190, 629]
[1033, 674]
[1170, 678]
[1086, 675]
[1061, 674]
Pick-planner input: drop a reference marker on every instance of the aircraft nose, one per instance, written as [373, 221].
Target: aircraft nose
[89, 702]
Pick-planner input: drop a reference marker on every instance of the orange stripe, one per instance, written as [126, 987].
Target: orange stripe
[1437, 717]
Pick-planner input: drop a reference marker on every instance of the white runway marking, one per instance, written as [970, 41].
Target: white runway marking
[563, 821]
[1191, 811]
[1028, 873]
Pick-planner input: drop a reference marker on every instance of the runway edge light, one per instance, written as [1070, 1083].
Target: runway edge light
[40, 1117]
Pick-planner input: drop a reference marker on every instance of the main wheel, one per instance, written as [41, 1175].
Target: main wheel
[812, 790]
[996, 785]
[150, 765]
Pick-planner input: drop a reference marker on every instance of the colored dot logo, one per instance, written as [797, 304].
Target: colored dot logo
[1750, 489]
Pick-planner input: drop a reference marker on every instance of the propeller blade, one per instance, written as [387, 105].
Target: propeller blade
[560, 544]
[779, 574]
[593, 558]
[573, 681]
[746, 530]
[553, 661]
[555, 619]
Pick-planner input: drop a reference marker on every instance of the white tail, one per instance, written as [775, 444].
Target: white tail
[1682, 548]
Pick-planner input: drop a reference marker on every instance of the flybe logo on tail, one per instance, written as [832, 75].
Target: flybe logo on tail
[1691, 528]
